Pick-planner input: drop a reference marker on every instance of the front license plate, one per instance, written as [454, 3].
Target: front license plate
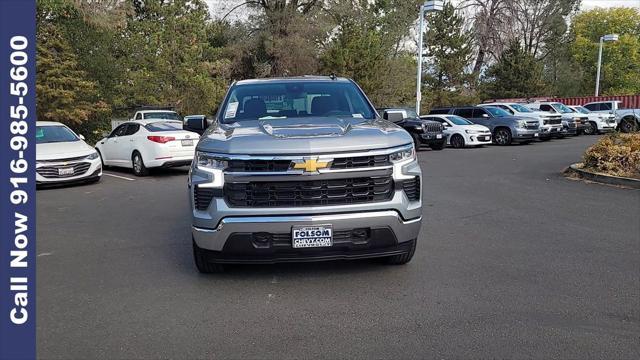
[187, 142]
[439, 136]
[536, 135]
[65, 171]
[311, 236]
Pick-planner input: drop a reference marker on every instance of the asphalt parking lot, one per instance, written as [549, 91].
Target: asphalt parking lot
[514, 261]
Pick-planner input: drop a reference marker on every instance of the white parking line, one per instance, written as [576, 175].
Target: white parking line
[118, 176]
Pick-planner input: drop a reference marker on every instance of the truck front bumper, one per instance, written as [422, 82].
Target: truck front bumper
[267, 239]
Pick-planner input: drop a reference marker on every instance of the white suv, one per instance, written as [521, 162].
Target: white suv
[550, 124]
[598, 123]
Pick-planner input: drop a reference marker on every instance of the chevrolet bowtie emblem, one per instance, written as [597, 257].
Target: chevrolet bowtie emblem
[311, 165]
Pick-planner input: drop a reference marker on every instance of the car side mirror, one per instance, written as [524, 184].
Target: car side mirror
[195, 123]
[81, 137]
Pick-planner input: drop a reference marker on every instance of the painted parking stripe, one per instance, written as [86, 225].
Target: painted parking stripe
[118, 176]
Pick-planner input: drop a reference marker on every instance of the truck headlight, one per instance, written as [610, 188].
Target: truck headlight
[208, 161]
[521, 124]
[408, 153]
[94, 155]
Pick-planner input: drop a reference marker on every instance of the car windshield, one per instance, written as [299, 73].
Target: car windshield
[54, 134]
[520, 108]
[582, 110]
[457, 120]
[497, 112]
[164, 126]
[295, 99]
[562, 108]
[169, 115]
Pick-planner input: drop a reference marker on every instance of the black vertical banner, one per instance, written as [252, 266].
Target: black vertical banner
[17, 179]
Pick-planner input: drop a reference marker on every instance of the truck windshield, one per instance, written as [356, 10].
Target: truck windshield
[281, 100]
[497, 112]
[520, 108]
[169, 115]
[561, 108]
[582, 110]
[54, 134]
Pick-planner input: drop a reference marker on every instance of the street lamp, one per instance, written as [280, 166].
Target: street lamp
[428, 6]
[608, 38]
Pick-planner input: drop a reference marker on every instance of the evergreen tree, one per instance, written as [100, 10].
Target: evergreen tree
[517, 74]
[63, 91]
[448, 49]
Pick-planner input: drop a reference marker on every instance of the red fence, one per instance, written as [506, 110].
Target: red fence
[628, 101]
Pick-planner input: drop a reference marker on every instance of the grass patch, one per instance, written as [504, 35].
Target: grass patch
[616, 154]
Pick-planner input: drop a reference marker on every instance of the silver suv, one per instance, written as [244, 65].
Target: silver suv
[302, 169]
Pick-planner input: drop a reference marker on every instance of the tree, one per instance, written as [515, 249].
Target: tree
[449, 50]
[517, 74]
[63, 91]
[621, 59]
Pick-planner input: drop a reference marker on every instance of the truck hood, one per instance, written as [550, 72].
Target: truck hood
[307, 135]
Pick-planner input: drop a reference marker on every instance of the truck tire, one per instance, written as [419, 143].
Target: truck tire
[204, 266]
[502, 136]
[628, 125]
[138, 165]
[591, 129]
[402, 258]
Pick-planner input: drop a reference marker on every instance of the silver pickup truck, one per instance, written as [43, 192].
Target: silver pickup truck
[302, 169]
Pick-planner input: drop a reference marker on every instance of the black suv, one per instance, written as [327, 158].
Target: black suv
[423, 132]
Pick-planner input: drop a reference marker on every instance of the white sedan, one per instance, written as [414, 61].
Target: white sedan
[461, 132]
[62, 156]
[144, 144]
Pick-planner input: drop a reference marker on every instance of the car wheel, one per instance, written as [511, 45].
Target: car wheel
[203, 264]
[416, 140]
[402, 258]
[628, 125]
[457, 141]
[502, 137]
[138, 165]
[591, 128]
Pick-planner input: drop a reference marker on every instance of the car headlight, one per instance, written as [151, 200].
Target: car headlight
[209, 161]
[94, 155]
[473, 131]
[403, 155]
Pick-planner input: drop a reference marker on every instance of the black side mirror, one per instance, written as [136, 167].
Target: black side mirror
[195, 123]
[395, 116]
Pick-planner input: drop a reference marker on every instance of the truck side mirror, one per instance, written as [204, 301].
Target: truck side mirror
[195, 123]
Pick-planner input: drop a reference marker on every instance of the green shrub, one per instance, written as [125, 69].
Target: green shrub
[616, 154]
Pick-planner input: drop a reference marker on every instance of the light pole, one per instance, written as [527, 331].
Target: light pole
[428, 6]
[609, 37]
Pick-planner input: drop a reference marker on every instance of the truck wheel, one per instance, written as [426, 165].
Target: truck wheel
[628, 125]
[204, 266]
[138, 165]
[457, 141]
[502, 137]
[416, 140]
[591, 128]
[402, 258]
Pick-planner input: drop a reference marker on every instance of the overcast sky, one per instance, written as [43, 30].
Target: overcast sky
[219, 8]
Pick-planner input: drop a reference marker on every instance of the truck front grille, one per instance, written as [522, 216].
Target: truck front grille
[352, 162]
[552, 121]
[433, 128]
[51, 171]
[309, 192]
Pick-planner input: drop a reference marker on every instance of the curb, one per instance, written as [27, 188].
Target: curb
[601, 178]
